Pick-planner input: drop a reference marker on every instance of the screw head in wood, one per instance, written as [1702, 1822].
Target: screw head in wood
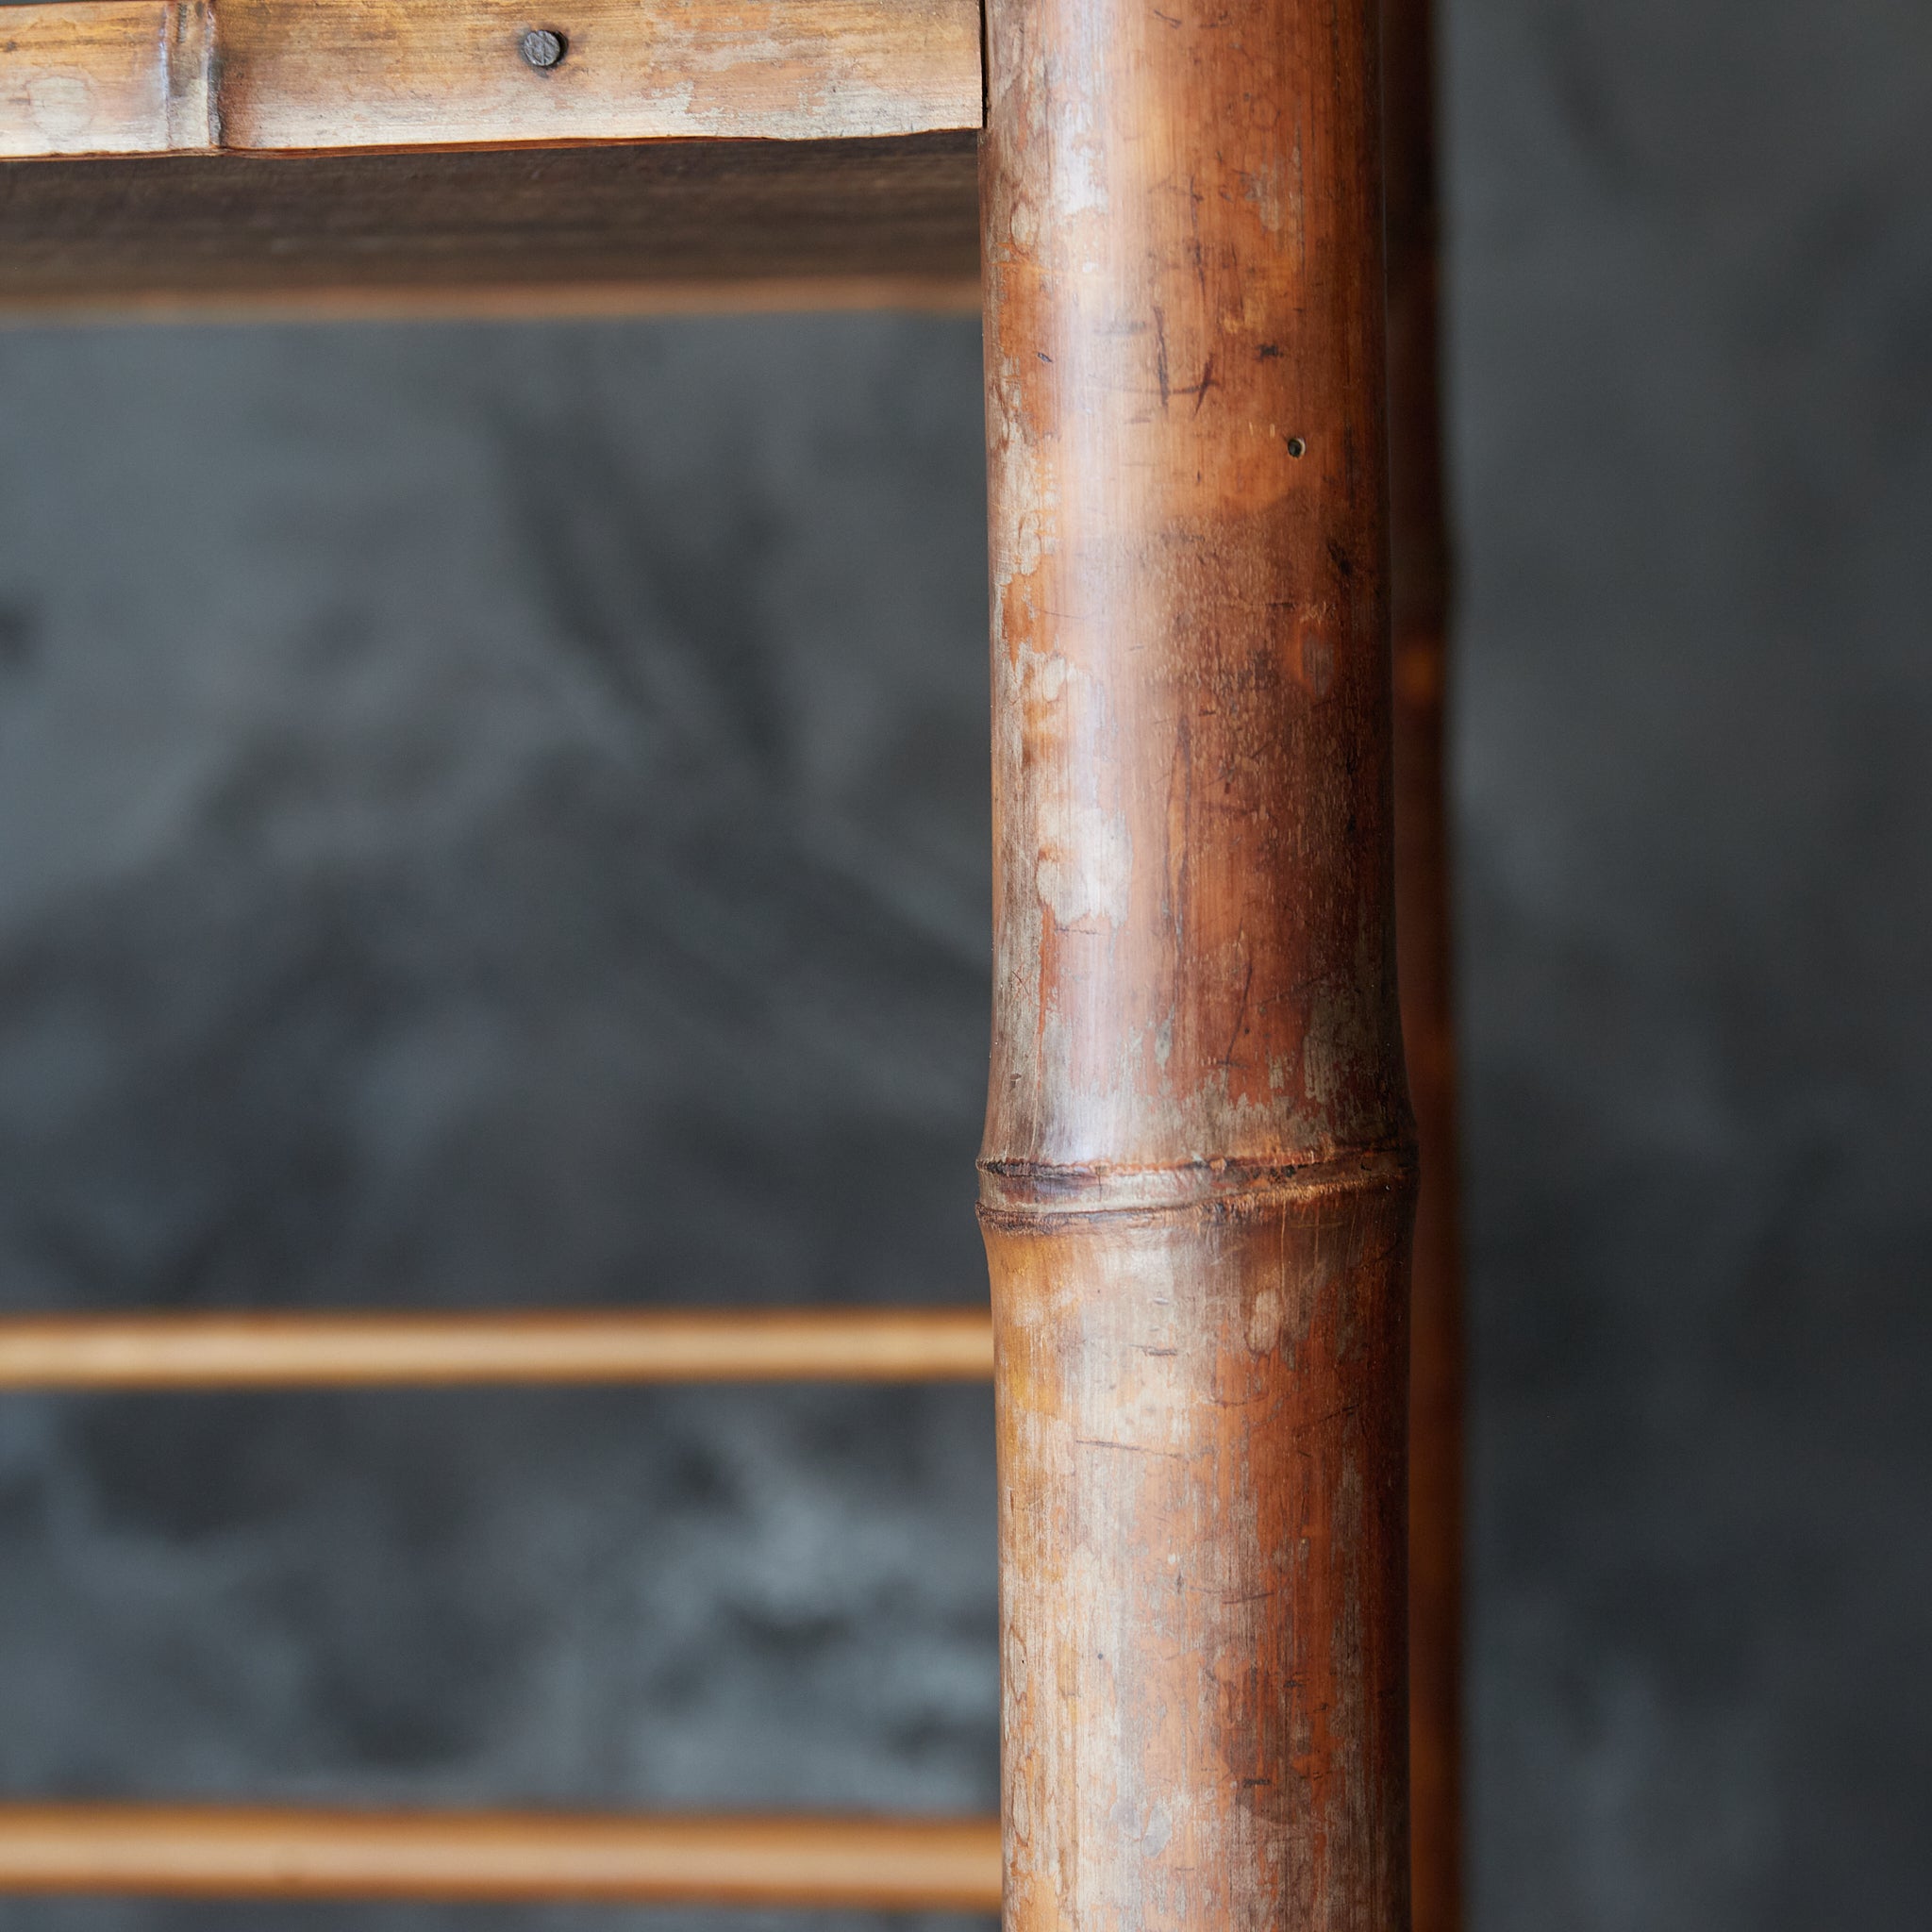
[542, 47]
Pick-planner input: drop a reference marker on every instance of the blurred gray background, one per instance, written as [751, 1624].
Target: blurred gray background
[496, 815]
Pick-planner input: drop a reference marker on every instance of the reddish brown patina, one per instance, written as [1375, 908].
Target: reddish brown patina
[1197, 1175]
[1421, 598]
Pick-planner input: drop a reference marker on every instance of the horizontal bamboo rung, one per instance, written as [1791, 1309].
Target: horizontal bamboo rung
[313, 1351]
[857, 1864]
[188, 76]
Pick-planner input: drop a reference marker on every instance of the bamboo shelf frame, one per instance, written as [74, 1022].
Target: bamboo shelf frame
[335, 1351]
[1199, 1174]
[207, 1852]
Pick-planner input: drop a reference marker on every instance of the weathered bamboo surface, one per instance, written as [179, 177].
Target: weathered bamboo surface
[191, 1852]
[156, 1352]
[1197, 1170]
[1420, 600]
[104, 77]
[171, 77]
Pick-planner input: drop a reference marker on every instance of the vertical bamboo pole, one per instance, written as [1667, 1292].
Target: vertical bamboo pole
[1196, 1180]
[1420, 596]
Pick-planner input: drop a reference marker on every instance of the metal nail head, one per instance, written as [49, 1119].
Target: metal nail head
[542, 48]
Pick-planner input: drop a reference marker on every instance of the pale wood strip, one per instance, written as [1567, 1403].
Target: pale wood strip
[343, 73]
[283, 1351]
[157, 77]
[861, 1864]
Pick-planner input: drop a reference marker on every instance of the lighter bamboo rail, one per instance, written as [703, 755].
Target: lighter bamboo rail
[280, 1351]
[183, 1852]
[184, 77]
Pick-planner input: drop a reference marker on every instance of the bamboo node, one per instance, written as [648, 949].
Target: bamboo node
[1011, 1192]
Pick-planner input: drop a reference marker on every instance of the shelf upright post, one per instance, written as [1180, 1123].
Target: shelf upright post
[1198, 1177]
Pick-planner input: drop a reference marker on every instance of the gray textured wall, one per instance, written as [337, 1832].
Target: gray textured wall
[497, 816]
[1692, 377]
[493, 817]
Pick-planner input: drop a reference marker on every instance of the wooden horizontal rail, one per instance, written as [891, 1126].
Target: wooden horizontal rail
[859, 1864]
[279, 1351]
[178, 76]
[624, 228]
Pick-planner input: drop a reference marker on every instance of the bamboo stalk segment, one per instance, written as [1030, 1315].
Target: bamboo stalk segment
[176, 77]
[194, 1852]
[1198, 1169]
[157, 1351]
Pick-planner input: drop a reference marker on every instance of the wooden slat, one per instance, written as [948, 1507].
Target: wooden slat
[280, 1351]
[591, 230]
[335, 74]
[159, 77]
[862, 1864]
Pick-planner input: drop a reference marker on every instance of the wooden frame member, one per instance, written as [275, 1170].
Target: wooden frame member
[1420, 600]
[290, 77]
[332, 158]
[864, 1864]
[392, 1351]
[1197, 1173]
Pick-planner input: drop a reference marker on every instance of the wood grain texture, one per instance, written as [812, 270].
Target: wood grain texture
[1420, 586]
[1197, 1172]
[338, 73]
[595, 230]
[154, 1352]
[186, 1852]
[157, 77]
[104, 76]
